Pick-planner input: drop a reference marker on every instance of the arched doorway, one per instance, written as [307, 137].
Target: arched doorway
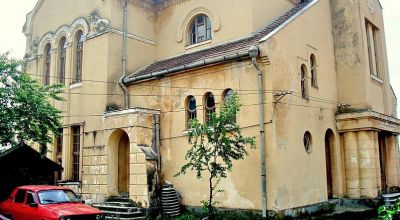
[118, 163]
[329, 144]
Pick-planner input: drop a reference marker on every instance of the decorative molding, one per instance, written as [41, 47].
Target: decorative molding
[27, 29]
[211, 12]
[80, 23]
[47, 38]
[63, 31]
[37, 46]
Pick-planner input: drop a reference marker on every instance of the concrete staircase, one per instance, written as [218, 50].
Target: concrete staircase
[121, 208]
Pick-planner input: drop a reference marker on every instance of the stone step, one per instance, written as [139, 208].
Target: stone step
[122, 214]
[126, 204]
[127, 208]
[120, 218]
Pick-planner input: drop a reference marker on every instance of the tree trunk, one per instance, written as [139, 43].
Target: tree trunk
[210, 208]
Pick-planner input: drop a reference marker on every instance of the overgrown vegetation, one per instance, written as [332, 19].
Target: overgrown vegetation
[215, 144]
[221, 215]
[26, 114]
[389, 212]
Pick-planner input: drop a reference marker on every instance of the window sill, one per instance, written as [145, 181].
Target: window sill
[314, 86]
[75, 85]
[377, 79]
[197, 44]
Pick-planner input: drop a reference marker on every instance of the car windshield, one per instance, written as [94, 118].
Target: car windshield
[56, 196]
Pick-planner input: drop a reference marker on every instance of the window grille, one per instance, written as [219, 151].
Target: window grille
[76, 148]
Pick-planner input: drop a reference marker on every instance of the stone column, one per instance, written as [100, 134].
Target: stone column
[138, 189]
[392, 163]
[368, 160]
[351, 164]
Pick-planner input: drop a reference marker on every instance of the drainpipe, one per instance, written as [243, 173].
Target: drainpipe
[123, 60]
[157, 126]
[253, 52]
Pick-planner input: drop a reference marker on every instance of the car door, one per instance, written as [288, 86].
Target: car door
[16, 206]
[29, 211]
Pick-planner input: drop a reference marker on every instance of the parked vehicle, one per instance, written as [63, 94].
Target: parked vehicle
[47, 202]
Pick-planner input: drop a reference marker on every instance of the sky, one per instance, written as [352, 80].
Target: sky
[12, 19]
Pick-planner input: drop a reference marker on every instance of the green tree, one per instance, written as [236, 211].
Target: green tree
[214, 146]
[26, 114]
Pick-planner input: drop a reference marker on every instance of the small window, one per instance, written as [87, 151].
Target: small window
[30, 198]
[313, 64]
[47, 62]
[78, 56]
[372, 33]
[304, 84]
[307, 141]
[62, 54]
[20, 197]
[209, 106]
[199, 29]
[191, 109]
[228, 95]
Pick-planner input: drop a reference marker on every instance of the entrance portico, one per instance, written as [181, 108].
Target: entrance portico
[370, 152]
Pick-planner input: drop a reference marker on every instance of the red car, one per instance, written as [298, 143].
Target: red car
[47, 203]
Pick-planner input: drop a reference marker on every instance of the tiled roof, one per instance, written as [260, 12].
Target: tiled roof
[228, 48]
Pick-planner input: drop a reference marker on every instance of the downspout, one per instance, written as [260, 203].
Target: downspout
[123, 60]
[157, 135]
[253, 52]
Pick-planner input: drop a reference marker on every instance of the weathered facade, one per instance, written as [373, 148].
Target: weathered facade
[330, 120]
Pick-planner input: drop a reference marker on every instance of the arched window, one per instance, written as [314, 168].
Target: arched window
[199, 29]
[307, 141]
[61, 60]
[209, 106]
[313, 63]
[304, 84]
[191, 109]
[78, 56]
[47, 62]
[228, 95]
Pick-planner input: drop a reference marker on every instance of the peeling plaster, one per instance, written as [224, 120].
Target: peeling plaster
[233, 197]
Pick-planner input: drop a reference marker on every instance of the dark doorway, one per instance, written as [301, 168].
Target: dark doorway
[123, 165]
[329, 143]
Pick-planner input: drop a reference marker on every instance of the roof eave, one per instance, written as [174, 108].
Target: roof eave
[186, 67]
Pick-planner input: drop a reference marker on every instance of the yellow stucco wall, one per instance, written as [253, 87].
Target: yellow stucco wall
[294, 177]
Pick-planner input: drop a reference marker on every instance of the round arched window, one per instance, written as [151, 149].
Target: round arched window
[307, 141]
[209, 105]
[228, 96]
[191, 109]
[199, 29]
